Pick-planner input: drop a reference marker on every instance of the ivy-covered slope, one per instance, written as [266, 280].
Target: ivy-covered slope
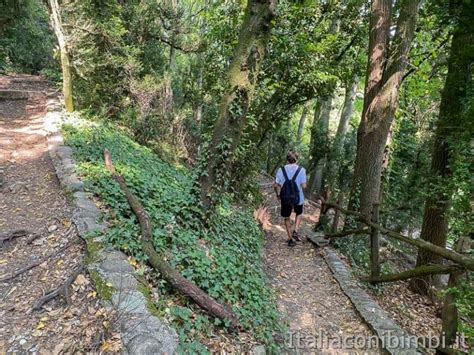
[224, 259]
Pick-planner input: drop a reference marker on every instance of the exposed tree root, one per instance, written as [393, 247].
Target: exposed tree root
[8, 236]
[178, 281]
[61, 290]
[33, 237]
[37, 262]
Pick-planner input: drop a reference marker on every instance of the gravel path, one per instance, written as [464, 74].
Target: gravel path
[310, 299]
[31, 199]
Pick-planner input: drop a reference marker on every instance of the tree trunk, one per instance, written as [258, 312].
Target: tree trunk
[456, 88]
[200, 75]
[347, 109]
[449, 312]
[269, 153]
[299, 133]
[335, 154]
[387, 63]
[65, 60]
[156, 260]
[241, 79]
[168, 91]
[319, 144]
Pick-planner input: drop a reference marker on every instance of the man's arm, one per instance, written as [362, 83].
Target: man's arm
[277, 188]
[303, 183]
[278, 182]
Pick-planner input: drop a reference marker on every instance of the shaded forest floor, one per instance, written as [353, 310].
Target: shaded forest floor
[32, 200]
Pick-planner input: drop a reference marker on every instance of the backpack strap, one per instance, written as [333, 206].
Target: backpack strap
[296, 173]
[285, 175]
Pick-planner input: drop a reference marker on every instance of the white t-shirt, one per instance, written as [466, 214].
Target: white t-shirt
[290, 171]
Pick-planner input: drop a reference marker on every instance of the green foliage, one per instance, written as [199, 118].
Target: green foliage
[26, 42]
[223, 259]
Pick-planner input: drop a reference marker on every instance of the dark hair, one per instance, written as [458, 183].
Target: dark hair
[292, 157]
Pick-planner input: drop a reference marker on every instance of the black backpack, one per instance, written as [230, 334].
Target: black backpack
[289, 193]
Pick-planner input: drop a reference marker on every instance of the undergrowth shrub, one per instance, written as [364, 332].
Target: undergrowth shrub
[223, 259]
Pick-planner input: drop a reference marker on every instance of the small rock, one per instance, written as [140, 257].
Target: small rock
[22, 341]
[38, 242]
[52, 228]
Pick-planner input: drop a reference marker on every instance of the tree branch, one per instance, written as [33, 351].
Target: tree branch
[429, 269]
[460, 259]
[347, 233]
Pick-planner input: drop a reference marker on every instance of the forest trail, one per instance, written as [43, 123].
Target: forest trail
[308, 296]
[32, 200]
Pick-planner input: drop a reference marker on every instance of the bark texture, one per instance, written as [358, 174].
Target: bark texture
[386, 65]
[56, 23]
[241, 79]
[450, 121]
[179, 282]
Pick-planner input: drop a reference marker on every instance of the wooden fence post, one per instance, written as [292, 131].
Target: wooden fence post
[374, 244]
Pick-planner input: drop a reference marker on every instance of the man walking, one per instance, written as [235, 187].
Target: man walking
[289, 184]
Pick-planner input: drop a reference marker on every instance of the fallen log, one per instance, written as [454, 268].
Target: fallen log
[156, 260]
[465, 261]
[429, 269]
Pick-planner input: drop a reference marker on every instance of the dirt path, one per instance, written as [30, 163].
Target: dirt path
[309, 297]
[31, 199]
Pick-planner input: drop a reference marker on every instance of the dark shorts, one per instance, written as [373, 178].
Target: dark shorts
[287, 209]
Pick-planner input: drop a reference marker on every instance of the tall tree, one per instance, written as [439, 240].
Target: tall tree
[387, 62]
[56, 23]
[241, 79]
[347, 108]
[319, 143]
[452, 122]
[301, 122]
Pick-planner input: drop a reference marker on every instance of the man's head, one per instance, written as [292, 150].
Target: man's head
[292, 157]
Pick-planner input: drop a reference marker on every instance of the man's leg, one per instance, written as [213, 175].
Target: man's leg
[288, 227]
[299, 216]
[298, 222]
[286, 213]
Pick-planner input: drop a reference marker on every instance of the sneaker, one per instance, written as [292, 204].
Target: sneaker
[291, 243]
[296, 236]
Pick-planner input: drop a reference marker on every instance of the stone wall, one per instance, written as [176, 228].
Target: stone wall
[113, 276]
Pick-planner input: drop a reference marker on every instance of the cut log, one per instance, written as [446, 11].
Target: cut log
[179, 282]
[419, 271]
